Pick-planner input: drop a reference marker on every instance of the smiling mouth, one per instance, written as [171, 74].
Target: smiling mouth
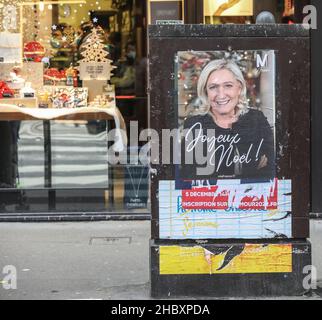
[223, 102]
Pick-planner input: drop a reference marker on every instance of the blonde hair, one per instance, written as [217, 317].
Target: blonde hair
[214, 65]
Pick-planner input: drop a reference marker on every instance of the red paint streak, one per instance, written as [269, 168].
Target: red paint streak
[125, 97]
[254, 202]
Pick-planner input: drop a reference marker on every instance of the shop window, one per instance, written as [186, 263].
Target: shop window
[68, 55]
[222, 11]
[246, 11]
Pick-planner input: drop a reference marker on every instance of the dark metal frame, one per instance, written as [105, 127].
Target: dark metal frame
[316, 117]
[292, 92]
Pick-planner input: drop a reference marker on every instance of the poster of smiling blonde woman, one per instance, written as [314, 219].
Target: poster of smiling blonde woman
[226, 110]
[226, 184]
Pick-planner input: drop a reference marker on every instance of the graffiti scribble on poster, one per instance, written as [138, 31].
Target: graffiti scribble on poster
[229, 209]
[243, 197]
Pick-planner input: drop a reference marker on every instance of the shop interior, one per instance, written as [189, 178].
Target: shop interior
[73, 54]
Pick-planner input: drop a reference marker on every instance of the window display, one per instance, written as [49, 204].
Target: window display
[57, 64]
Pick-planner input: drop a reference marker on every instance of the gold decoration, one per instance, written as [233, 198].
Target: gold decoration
[94, 49]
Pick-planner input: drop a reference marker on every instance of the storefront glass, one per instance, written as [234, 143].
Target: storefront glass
[73, 54]
[246, 11]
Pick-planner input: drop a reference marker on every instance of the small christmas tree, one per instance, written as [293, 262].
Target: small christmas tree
[94, 49]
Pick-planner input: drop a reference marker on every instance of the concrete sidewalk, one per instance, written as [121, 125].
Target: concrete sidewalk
[88, 260]
[77, 260]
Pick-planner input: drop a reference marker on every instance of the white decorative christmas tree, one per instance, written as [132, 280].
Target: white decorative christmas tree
[95, 64]
[94, 49]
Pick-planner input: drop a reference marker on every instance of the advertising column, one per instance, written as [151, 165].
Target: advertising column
[231, 106]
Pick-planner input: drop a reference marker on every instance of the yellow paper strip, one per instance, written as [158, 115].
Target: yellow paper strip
[255, 258]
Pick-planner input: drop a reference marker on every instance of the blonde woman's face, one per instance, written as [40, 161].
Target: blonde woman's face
[223, 92]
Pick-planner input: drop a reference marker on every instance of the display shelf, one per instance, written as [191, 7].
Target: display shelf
[27, 102]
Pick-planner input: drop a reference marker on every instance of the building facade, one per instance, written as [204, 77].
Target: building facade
[58, 55]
